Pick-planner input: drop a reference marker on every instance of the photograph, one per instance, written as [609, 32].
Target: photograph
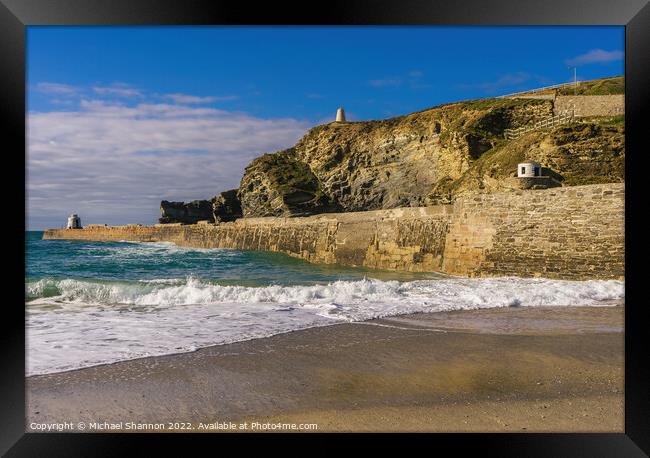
[325, 229]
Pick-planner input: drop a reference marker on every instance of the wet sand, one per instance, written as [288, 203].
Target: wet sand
[513, 369]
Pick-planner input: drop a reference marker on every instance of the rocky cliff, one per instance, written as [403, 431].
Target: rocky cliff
[424, 158]
[428, 157]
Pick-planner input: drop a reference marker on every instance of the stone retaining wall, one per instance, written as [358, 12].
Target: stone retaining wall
[591, 105]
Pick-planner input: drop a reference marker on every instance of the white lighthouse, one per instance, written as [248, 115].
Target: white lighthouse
[73, 222]
[340, 115]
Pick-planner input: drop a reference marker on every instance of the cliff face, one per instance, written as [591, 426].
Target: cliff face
[426, 158]
[587, 152]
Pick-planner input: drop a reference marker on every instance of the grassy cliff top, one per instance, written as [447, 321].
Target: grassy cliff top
[601, 86]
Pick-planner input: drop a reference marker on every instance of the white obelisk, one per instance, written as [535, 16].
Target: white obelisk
[340, 115]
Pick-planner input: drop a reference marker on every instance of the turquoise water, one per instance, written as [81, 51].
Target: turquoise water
[91, 303]
[133, 261]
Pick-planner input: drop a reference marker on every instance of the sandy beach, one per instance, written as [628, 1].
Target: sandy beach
[511, 369]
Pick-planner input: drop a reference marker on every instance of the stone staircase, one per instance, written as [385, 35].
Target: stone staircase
[562, 118]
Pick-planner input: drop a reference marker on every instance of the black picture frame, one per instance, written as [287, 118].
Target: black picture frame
[15, 15]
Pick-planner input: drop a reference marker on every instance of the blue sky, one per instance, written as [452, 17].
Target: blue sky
[120, 118]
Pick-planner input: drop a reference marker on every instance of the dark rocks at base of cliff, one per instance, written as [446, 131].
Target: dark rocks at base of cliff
[226, 207]
[190, 213]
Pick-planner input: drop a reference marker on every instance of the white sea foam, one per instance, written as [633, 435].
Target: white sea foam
[131, 248]
[83, 323]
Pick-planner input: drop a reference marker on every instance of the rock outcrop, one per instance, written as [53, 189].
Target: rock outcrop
[190, 213]
[280, 185]
[226, 207]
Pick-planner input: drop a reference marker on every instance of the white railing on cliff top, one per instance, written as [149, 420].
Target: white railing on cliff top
[562, 118]
[539, 89]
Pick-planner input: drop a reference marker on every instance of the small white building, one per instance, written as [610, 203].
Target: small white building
[340, 115]
[74, 222]
[529, 169]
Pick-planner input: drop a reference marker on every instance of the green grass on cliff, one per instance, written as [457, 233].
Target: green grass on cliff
[292, 179]
[486, 104]
[604, 86]
[500, 159]
[617, 121]
[579, 180]
[287, 173]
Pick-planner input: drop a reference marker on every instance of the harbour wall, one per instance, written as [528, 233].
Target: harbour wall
[573, 232]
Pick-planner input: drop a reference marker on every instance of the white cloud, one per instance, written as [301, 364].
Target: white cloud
[385, 82]
[413, 78]
[193, 99]
[118, 90]
[114, 163]
[508, 80]
[64, 102]
[596, 56]
[57, 89]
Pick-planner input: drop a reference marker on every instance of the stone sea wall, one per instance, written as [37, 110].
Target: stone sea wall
[568, 232]
[575, 233]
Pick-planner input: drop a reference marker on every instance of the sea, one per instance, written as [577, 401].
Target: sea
[90, 303]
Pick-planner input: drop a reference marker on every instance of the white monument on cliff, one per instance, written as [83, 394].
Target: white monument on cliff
[340, 115]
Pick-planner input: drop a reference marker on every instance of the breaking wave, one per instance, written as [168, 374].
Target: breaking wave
[434, 295]
[77, 323]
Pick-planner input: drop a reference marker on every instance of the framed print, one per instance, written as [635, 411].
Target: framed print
[413, 218]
